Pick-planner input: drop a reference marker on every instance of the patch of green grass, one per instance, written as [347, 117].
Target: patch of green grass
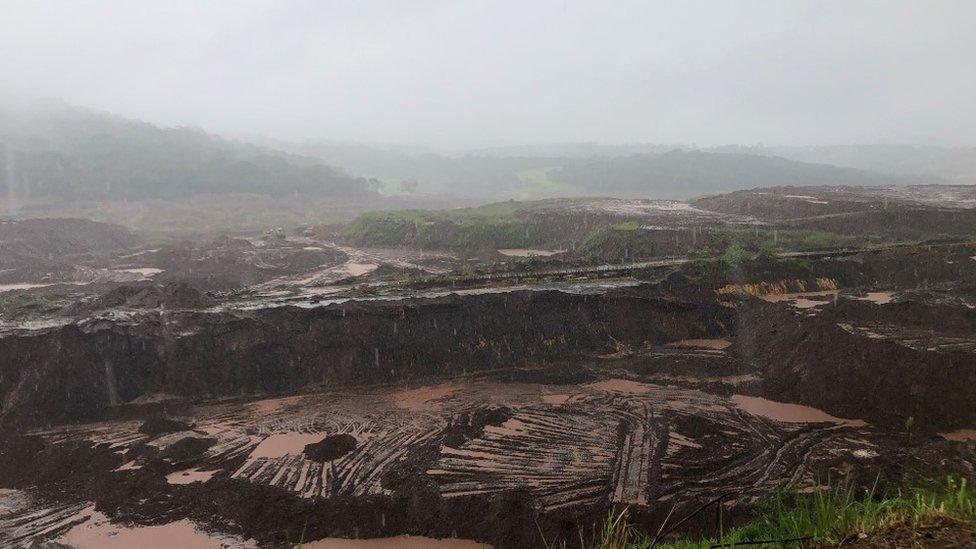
[626, 226]
[495, 225]
[824, 517]
[783, 240]
[496, 210]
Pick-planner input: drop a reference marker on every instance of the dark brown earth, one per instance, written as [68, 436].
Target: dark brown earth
[910, 212]
[939, 532]
[330, 448]
[306, 404]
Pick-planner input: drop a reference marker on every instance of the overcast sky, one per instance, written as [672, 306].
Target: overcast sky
[473, 73]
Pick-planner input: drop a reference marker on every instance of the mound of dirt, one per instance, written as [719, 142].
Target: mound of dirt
[893, 364]
[937, 532]
[186, 448]
[176, 295]
[917, 212]
[470, 425]
[32, 248]
[159, 424]
[331, 447]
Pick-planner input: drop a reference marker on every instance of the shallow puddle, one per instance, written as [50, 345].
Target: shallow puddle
[99, 533]
[146, 272]
[791, 413]
[283, 444]
[398, 542]
[715, 344]
[801, 300]
[621, 386]
[423, 399]
[881, 298]
[527, 252]
[357, 269]
[556, 399]
[23, 286]
[960, 435]
[190, 476]
[269, 405]
[130, 466]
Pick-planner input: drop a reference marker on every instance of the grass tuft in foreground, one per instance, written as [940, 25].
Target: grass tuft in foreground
[823, 518]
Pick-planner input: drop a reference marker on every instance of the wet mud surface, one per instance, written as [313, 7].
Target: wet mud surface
[400, 461]
[259, 392]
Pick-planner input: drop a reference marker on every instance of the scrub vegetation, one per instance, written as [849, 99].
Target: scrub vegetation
[826, 517]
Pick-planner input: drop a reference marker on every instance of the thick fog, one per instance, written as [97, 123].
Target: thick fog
[476, 73]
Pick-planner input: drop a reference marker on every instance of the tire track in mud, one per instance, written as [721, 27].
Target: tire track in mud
[603, 443]
[564, 459]
[358, 473]
[20, 529]
[637, 457]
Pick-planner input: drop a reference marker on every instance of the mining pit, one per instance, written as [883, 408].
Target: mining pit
[266, 392]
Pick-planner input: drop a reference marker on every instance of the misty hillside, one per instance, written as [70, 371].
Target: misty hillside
[682, 174]
[953, 165]
[65, 152]
[585, 169]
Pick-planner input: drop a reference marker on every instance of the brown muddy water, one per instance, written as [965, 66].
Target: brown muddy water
[189, 476]
[714, 344]
[960, 435]
[98, 532]
[565, 446]
[423, 399]
[283, 444]
[357, 269]
[20, 286]
[625, 386]
[801, 300]
[792, 413]
[526, 252]
[881, 298]
[398, 542]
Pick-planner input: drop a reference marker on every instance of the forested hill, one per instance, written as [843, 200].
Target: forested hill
[67, 152]
[584, 170]
[683, 174]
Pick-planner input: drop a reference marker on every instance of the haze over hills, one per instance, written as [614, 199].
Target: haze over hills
[58, 151]
[639, 170]
[953, 165]
[487, 274]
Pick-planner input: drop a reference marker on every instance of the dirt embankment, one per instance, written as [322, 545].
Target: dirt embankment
[34, 248]
[883, 363]
[144, 296]
[912, 213]
[906, 223]
[77, 370]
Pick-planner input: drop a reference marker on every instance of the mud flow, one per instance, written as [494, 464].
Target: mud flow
[290, 389]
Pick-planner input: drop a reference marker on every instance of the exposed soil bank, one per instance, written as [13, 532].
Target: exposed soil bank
[77, 370]
[906, 363]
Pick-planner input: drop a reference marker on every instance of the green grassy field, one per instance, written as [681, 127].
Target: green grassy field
[484, 227]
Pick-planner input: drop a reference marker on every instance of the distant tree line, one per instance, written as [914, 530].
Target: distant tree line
[82, 155]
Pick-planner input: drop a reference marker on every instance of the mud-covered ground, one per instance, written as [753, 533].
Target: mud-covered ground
[283, 388]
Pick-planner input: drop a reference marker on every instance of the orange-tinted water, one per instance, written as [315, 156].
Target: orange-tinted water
[398, 542]
[793, 413]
